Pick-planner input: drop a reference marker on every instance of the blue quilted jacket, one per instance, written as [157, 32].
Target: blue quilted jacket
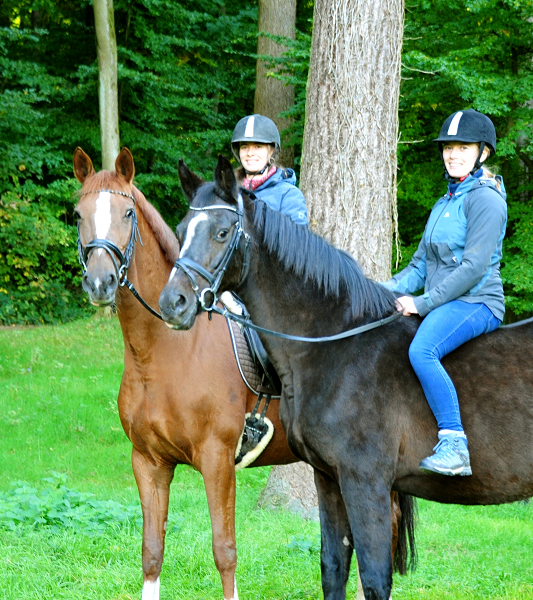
[280, 193]
[459, 255]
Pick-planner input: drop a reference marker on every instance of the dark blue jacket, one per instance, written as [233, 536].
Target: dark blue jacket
[459, 255]
[280, 193]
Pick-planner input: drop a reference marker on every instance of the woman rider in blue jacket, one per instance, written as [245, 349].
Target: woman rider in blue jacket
[255, 144]
[458, 264]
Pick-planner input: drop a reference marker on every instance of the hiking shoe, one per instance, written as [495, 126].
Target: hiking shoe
[451, 456]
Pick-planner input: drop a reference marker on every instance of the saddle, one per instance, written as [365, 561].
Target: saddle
[261, 378]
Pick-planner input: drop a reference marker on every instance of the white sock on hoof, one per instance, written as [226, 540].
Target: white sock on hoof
[151, 590]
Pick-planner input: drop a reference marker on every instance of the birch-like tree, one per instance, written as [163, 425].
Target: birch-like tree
[106, 45]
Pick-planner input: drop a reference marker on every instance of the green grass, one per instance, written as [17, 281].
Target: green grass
[58, 387]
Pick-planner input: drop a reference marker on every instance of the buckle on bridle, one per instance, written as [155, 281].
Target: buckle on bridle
[201, 299]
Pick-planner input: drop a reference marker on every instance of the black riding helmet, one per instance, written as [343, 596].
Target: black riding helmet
[255, 128]
[469, 126]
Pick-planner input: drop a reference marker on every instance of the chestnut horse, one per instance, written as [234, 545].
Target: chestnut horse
[182, 399]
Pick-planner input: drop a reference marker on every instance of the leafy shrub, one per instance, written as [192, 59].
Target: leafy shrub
[39, 270]
[304, 545]
[62, 508]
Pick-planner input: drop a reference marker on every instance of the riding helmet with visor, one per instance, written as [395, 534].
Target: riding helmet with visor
[255, 128]
[469, 126]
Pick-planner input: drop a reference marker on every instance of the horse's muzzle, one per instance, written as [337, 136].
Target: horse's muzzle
[176, 308]
[101, 290]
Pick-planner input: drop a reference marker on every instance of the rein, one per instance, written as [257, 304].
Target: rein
[215, 279]
[296, 338]
[114, 252]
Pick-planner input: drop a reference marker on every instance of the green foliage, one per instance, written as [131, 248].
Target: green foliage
[304, 545]
[39, 270]
[186, 75]
[470, 54]
[58, 507]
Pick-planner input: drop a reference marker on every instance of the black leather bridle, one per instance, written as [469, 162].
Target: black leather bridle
[215, 279]
[121, 268]
[190, 267]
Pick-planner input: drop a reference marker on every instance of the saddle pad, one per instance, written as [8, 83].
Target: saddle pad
[244, 358]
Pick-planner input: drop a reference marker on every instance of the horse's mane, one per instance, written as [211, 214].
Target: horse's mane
[107, 180]
[310, 256]
[163, 234]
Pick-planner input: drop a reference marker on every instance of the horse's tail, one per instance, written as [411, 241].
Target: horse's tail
[405, 557]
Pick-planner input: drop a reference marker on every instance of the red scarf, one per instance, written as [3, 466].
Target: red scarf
[252, 184]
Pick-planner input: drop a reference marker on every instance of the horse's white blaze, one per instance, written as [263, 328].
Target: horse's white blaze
[151, 590]
[235, 594]
[97, 283]
[102, 216]
[191, 228]
[172, 273]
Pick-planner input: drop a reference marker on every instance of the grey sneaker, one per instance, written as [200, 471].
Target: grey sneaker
[451, 456]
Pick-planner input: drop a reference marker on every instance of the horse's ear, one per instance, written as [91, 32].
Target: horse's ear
[124, 165]
[190, 182]
[225, 177]
[83, 166]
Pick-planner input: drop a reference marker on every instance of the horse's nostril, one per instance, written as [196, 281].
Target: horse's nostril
[181, 301]
[111, 281]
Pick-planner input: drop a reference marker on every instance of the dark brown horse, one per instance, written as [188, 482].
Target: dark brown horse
[353, 408]
[181, 399]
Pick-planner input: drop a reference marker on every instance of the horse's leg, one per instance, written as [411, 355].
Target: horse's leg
[218, 471]
[336, 534]
[153, 482]
[369, 511]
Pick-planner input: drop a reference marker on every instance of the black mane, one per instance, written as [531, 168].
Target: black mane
[310, 256]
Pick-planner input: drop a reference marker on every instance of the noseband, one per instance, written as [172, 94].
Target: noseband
[113, 250]
[189, 267]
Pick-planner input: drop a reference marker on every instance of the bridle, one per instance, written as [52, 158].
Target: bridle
[123, 264]
[104, 244]
[215, 279]
[190, 267]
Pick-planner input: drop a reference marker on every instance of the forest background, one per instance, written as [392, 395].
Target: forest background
[186, 75]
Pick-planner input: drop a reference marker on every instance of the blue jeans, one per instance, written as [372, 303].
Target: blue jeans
[443, 330]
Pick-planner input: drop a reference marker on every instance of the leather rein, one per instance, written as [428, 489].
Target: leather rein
[121, 268]
[215, 279]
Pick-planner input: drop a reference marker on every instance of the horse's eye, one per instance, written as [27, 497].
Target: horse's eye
[222, 235]
[77, 215]
[129, 213]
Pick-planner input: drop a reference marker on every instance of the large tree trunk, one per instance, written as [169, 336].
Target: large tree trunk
[351, 130]
[349, 153]
[106, 45]
[272, 96]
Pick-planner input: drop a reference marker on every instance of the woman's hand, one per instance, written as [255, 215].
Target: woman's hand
[406, 305]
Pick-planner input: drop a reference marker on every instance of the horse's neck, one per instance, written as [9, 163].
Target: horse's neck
[148, 273]
[280, 300]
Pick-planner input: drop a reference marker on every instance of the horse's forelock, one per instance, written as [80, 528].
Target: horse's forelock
[211, 193]
[103, 180]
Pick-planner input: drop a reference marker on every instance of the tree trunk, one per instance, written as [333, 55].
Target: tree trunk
[106, 46]
[349, 153]
[349, 149]
[272, 96]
